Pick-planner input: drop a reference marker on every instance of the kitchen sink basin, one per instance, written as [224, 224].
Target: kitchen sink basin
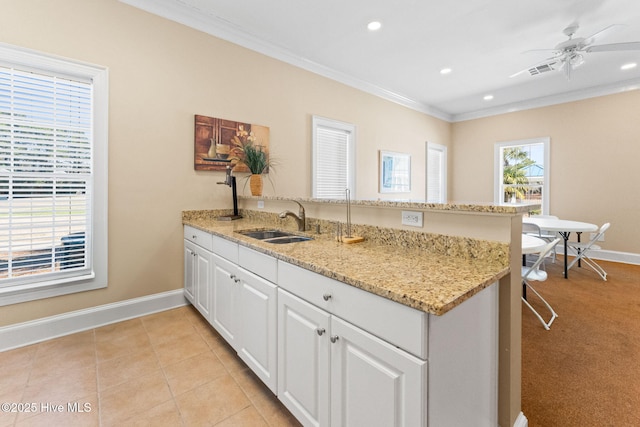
[274, 236]
[292, 239]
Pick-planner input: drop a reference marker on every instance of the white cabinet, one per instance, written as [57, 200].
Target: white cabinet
[244, 310]
[303, 359]
[339, 356]
[390, 365]
[197, 270]
[372, 382]
[334, 373]
[225, 300]
[257, 310]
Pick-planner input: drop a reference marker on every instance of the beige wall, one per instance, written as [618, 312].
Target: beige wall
[161, 75]
[594, 160]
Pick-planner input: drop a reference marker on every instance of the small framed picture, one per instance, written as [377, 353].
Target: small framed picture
[395, 172]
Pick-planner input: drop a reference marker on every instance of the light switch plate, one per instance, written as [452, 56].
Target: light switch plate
[412, 218]
[260, 204]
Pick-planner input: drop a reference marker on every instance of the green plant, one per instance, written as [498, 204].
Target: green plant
[246, 152]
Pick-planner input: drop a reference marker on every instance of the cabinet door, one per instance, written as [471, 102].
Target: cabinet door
[224, 299]
[257, 335]
[202, 282]
[303, 359]
[189, 273]
[374, 383]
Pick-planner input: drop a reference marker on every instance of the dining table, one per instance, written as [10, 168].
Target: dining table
[564, 228]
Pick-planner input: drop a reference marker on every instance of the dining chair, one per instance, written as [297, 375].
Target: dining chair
[534, 273]
[534, 230]
[548, 235]
[582, 249]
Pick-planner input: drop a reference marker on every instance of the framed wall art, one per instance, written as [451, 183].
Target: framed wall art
[395, 172]
[215, 139]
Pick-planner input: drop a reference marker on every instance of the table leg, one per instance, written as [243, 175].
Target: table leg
[579, 233]
[565, 237]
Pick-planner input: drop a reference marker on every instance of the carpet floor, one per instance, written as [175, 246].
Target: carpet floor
[585, 371]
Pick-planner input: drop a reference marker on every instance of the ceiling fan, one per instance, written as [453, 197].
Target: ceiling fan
[570, 53]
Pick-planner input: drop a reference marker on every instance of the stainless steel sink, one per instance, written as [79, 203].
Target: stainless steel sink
[274, 236]
[292, 239]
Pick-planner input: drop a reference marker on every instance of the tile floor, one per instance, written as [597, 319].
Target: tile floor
[164, 369]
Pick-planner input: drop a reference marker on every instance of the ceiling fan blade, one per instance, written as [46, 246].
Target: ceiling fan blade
[614, 47]
[602, 33]
[555, 52]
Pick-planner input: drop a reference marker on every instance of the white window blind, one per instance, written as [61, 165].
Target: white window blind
[436, 173]
[333, 168]
[45, 177]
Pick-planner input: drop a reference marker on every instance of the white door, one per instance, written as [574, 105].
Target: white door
[303, 359]
[373, 383]
[202, 282]
[258, 326]
[189, 274]
[224, 316]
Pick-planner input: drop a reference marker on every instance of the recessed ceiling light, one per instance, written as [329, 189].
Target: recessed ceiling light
[488, 97]
[374, 25]
[446, 71]
[629, 66]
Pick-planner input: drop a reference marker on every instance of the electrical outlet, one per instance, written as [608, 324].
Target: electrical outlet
[592, 235]
[412, 218]
[260, 204]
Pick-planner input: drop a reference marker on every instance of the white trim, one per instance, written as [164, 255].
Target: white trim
[545, 101]
[217, 27]
[498, 171]
[608, 255]
[34, 331]
[445, 171]
[521, 421]
[336, 125]
[24, 58]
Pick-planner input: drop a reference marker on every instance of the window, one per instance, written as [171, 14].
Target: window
[436, 173]
[53, 176]
[333, 161]
[522, 172]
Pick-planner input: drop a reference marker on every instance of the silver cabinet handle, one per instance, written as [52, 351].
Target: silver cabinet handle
[232, 276]
[326, 297]
[236, 280]
[334, 338]
[194, 237]
[320, 331]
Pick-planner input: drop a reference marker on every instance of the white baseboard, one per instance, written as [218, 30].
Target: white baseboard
[21, 334]
[605, 255]
[521, 421]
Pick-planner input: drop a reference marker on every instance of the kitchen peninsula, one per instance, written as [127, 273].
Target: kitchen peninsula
[330, 327]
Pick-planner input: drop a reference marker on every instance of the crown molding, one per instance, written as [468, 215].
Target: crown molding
[175, 10]
[225, 30]
[545, 101]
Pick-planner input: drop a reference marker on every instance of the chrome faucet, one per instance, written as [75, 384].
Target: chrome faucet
[300, 218]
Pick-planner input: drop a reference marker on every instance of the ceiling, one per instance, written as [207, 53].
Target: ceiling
[484, 42]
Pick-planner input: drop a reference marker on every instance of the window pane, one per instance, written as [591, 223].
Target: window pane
[45, 176]
[523, 173]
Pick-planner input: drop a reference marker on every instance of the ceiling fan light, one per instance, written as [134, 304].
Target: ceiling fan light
[576, 60]
[628, 66]
[374, 25]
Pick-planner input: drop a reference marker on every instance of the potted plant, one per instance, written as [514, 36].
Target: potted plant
[245, 152]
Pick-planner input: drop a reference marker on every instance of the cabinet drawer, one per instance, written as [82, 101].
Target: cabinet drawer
[225, 248]
[398, 324]
[261, 264]
[199, 237]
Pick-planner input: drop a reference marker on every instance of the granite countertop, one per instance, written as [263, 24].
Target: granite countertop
[429, 282]
[460, 206]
